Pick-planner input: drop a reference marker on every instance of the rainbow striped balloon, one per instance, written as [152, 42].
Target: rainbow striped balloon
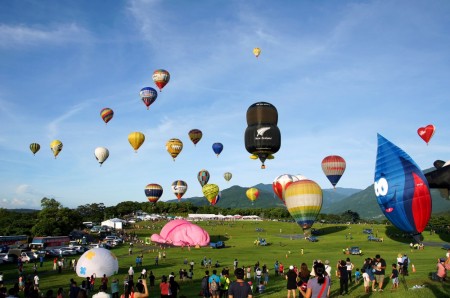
[304, 200]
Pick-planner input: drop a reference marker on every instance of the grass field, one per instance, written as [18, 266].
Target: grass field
[285, 246]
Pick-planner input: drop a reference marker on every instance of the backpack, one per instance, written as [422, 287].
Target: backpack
[205, 283]
[405, 263]
[214, 285]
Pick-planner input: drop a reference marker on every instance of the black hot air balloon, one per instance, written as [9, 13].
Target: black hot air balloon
[262, 136]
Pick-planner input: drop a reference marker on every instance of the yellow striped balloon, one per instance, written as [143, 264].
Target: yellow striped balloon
[56, 147]
[174, 147]
[210, 191]
[304, 200]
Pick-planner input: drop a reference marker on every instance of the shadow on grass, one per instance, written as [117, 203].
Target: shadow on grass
[395, 234]
[215, 238]
[439, 289]
[445, 236]
[329, 230]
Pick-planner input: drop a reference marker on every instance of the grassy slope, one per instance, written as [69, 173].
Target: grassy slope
[239, 238]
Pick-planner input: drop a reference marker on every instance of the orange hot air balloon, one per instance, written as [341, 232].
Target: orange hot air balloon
[161, 77]
[136, 139]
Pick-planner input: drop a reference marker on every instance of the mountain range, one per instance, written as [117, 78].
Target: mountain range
[335, 201]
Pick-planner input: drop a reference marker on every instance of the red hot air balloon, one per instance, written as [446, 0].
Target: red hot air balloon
[106, 114]
[161, 77]
[426, 133]
[333, 166]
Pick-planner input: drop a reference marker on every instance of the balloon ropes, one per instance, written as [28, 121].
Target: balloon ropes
[426, 133]
[34, 147]
[136, 139]
[56, 147]
[401, 188]
[262, 136]
[106, 114]
[333, 166]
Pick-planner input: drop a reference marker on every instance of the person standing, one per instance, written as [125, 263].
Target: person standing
[101, 293]
[115, 288]
[205, 285]
[343, 278]
[291, 284]
[224, 284]
[214, 284]
[319, 286]
[130, 273]
[174, 287]
[394, 277]
[350, 267]
[380, 267]
[235, 264]
[164, 287]
[151, 278]
[239, 288]
[36, 281]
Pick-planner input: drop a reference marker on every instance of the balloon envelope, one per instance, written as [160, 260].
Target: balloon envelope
[252, 194]
[148, 96]
[227, 176]
[179, 188]
[217, 148]
[153, 192]
[174, 147]
[195, 135]
[97, 261]
[101, 154]
[180, 232]
[303, 200]
[56, 147]
[203, 177]
[401, 189]
[106, 114]
[210, 191]
[280, 184]
[161, 77]
[256, 52]
[136, 139]
[426, 133]
[333, 166]
[34, 147]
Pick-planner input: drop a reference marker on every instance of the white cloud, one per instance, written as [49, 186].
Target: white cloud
[20, 35]
[53, 127]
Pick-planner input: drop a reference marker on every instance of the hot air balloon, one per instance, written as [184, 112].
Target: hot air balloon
[210, 191]
[280, 184]
[401, 188]
[333, 166]
[256, 52]
[34, 147]
[303, 200]
[106, 114]
[262, 136]
[227, 176]
[153, 192]
[217, 148]
[148, 96]
[174, 147]
[136, 139]
[203, 177]
[195, 135]
[216, 199]
[101, 154]
[56, 147]
[440, 178]
[179, 188]
[426, 133]
[252, 194]
[161, 77]
[97, 261]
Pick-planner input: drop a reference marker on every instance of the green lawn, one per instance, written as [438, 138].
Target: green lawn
[285, 246]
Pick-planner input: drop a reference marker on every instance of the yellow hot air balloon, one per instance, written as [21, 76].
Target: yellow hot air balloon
[34, 147]
[174, 147]
[136, 139]
[210, 191]
[256, 52]
[303, 200]
[252, 194]
[56, 147]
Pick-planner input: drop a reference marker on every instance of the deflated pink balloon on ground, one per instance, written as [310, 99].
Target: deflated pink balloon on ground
[180, 232]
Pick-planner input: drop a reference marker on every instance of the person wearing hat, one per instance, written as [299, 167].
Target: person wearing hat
[239, 288]
[291, 285]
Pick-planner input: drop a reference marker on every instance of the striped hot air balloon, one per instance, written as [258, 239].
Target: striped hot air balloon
[280, 184]
[34, 147]
[161, 77]
[148, 96]
[179, 188]
[333, 166]
[106, 114]
[153, 192]
[195, 135]
[303, 200]
[174, 147]
[203, 177]
[227, 176]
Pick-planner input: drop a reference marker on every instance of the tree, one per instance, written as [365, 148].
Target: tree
[350, 216]
[55, 220]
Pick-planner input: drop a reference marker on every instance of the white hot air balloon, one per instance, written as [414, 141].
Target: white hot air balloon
[97, 261]
[101, 154]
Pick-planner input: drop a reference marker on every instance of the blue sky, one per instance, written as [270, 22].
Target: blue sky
[339, 72]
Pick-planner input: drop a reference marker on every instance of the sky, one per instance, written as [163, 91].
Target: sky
[338, 72]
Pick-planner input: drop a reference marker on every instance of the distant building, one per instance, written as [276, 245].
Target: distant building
[115, 223]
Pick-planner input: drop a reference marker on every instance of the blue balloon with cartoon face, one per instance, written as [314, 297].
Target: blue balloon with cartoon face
[401, 189]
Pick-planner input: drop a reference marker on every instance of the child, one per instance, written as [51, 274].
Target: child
[261, 287]
[357, 276]
[394, 277]
[366, 278]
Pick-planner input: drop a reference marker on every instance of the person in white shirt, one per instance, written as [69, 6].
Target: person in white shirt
[327, 268]
[101, 293]
[366, 279]
[36, 280]
[130, 273]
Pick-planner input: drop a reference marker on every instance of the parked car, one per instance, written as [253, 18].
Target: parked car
[373, 238]
[312, 238]
[6, 258]
[218, 244]
[114, 238]
[68, 251]
[354, 250]
[4, 248]
[28, 256]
